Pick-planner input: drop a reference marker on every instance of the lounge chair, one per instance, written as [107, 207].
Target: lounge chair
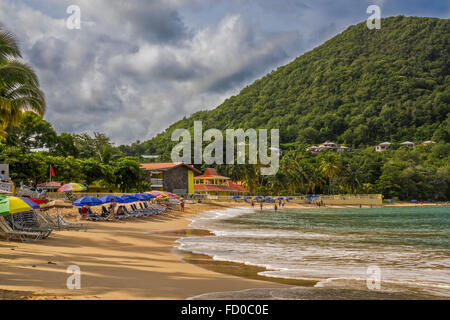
[64, 224]
[132, 213]
[27, 221]
[11, 234]
[141, 211]
[115, 215]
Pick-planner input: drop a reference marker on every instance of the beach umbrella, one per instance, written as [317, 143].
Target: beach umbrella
[280, 198]
[126, 198]
[107, 199]
[170, 194]
[246, 197]
[235, 197]
[289, 198]
[91, 201]
[56, 204]
[155, 193]
[267, 198]
[144, 196]
[11, 205]
[72, 187]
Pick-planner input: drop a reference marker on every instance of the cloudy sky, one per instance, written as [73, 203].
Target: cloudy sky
[137, 66]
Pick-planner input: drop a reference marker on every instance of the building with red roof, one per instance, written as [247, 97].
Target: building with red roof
[211, 183]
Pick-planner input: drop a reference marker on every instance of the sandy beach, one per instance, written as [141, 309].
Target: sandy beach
[133, 259]
[118, 260]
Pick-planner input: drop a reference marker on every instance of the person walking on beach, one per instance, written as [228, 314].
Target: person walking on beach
[276, 207]
[282, 204]
[182, 204]
[261, 206]
[253, 204]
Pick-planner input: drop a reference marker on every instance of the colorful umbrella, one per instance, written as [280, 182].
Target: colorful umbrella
[170, 194]
[11, 205]
[72, 187]
[235, 197]
[246, 197]
[87, 200]
[156, 193]
[280, 198]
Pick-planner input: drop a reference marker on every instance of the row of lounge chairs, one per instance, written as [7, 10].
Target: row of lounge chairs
[135, 212]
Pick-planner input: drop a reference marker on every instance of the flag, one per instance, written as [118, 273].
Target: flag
[52, 172]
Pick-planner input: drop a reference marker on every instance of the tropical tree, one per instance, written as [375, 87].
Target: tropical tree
[329, 167]
[19, 85]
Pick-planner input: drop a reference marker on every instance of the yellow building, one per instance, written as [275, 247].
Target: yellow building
[211, 183]
[176, 177]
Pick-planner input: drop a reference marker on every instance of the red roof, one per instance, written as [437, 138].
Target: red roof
[163, 166]
[211, 174]
[52, 184]
[232, 187]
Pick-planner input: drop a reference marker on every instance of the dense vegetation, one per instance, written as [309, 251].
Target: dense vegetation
[360, 88]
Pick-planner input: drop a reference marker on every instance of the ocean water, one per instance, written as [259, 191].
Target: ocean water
[410, 246]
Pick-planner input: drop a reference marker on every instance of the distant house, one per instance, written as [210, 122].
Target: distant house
[176, 177]
[428, 142]
[328, 146]
[52, 186]
[211, 183]
[382, 146]
[408, 144]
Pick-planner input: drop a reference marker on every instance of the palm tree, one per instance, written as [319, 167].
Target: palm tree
[329, 167]
[19, 85]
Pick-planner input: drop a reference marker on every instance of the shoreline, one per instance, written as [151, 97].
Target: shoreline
[135, 259]
[118, 260]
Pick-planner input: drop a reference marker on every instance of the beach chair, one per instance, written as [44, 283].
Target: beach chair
[27, 221]
[115, 215]
[144, 210]
[132, 213]
[67, 225]
[11, 234]
[141, 210]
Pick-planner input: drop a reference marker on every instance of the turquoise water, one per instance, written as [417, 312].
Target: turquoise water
[409, 245]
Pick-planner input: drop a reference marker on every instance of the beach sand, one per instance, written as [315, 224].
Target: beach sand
[134, 259]
[118, 260]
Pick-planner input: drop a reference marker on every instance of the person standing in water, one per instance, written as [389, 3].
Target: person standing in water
[261, 206]
[276, 207]
[253, 204]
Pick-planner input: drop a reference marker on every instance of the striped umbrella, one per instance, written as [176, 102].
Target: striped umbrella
[72, 187]
[11, 205]
[170, 194]
[156, 193]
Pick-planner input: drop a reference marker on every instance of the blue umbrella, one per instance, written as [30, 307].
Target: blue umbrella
[280, 198]
[126, 198]
[143, 196]
[257, 198]
[235, 197]
[267, 198]
[246, 197]
[87, 201]
[289, 198]
[107, 199]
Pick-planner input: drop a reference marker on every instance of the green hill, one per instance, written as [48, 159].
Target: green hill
[359, 88]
